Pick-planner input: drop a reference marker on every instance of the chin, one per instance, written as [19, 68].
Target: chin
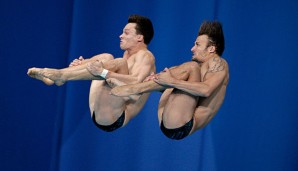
[196, 60]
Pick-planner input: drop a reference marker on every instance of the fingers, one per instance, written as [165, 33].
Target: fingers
[150, 77]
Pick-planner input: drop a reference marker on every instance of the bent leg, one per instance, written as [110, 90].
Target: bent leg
[79, 72]
[203, 115]
[110, 112]
[177, 108]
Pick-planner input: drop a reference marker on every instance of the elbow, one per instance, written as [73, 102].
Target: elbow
[206, 93]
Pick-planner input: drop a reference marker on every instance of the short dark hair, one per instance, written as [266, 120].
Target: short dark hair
[144, 27]
[214, 31]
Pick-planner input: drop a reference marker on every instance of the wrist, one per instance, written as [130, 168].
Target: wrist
[173, 82]
[104, 73]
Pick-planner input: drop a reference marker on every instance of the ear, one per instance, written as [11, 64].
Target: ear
[140, 37]
[211, 49]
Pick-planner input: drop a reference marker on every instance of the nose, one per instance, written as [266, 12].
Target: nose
[192, 49]
[120, 36]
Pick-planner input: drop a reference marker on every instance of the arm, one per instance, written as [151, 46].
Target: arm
[214, 77]
[203, 89]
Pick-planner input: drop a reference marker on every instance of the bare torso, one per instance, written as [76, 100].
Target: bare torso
[215, 100]
[108, 107]
[206, 107]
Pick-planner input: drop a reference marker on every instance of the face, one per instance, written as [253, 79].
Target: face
[129, 38]
[200, 50]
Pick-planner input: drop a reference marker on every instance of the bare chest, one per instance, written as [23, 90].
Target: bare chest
[204, 72]
[131, 63]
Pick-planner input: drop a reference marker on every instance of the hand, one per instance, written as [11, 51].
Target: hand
[150, 77]
[95, 68]
[164, 78]
[77, 62]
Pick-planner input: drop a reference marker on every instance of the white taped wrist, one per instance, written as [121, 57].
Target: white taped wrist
[104, 73]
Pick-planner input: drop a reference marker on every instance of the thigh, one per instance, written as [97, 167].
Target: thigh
[118, 65]
[108, 108]
[178, 109]
[103, 57]
[202, 117]
[133, 107]
[162, 102]
[190, 71]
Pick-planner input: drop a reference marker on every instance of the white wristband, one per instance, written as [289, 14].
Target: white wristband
[104, 73]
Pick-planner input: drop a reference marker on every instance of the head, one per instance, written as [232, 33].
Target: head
[138, 29]
[210, 41]
[143, 27]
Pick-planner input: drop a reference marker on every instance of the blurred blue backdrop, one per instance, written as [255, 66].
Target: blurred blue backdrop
[49, 128]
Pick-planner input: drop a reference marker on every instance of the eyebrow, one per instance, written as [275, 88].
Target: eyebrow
[127, 29]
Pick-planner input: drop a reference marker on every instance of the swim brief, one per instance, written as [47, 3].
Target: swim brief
[109, 128]
[177, 133]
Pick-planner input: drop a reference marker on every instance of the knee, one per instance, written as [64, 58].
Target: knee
[186, 69]
[120, 63]
[104, 57]
[193, 66]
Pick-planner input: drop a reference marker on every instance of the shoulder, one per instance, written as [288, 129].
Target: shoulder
[144, 55]
[216, 64]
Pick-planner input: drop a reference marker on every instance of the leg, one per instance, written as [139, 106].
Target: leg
[80, 72]
[133, 107]
[202, 117]
[176, 108]
[108, 110]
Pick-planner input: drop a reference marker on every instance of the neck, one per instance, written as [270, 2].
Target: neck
[136, 49]
[211, 55]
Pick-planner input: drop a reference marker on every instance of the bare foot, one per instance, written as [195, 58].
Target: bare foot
[37, 74]
[112, 82]
[55, 75]
[123, 91]
[48, 76]
[137, 89]
[95, 68]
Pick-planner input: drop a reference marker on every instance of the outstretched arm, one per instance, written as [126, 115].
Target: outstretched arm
[148, 85]
[139, 88]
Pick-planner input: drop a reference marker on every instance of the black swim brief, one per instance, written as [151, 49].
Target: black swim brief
[177, 133]
[109, 128]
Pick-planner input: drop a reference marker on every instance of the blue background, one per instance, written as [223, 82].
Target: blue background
[49, 128]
